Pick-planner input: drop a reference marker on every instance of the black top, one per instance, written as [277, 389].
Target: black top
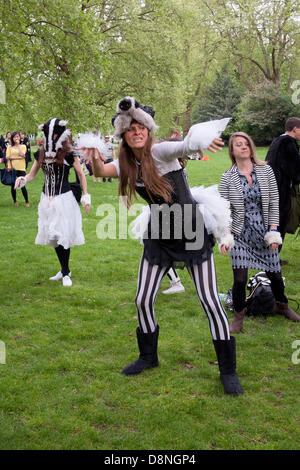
[283, 156]
[56, 177]
[176, 233]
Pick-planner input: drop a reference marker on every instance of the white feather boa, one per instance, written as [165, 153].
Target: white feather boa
[91, 140]
[200, 136]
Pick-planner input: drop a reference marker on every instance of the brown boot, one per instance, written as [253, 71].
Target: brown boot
[237, 322]
[282, 308]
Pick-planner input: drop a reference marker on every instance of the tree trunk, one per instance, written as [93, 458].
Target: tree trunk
[187, 119]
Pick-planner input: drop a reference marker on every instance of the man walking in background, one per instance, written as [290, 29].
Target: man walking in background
[284, 158]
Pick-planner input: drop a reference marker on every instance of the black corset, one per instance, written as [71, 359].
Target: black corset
[171, 239]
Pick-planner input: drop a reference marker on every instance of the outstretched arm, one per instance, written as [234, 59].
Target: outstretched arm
[22, 180]
[99, 169]
[169, 150]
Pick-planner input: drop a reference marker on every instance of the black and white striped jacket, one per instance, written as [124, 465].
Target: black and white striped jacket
[231, 189]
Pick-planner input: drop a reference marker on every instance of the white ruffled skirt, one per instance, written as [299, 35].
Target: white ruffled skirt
[59, 221]
[215, 209]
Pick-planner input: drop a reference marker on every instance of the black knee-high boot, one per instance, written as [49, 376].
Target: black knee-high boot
[148, 358]
[225, 350]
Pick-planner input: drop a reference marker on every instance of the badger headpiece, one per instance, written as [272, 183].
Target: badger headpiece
[128, 110]
[54, 127]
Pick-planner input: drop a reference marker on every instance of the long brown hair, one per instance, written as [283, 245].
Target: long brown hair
[149, 174]
[60, 154]
[253, 155]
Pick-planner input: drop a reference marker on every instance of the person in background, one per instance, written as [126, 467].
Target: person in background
[2, 148]
[8, 139]
[250, 187]
[59, 221]
[284, 158]
[25, 141]
[15, 156]
[109, 154]
[176, 286]
[175, 136]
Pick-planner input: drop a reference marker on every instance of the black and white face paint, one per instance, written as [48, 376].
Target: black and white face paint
[54, 127]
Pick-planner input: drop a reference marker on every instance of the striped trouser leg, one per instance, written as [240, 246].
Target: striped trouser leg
[204, 277]
[150, 277]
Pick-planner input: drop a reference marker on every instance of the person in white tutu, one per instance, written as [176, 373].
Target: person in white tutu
[153, 171]
[59, 216]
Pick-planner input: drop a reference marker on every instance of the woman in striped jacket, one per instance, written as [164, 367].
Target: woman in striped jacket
[250, 187]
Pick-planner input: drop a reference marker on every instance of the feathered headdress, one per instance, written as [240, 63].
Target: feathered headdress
[128, 110]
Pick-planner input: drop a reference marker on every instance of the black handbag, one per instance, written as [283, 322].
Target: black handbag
[260, 300]
[8, 176]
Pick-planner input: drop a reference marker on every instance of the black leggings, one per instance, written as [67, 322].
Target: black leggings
[63, 256]
[240, 279]
[172, 274]
[24, 190]
[204, 277]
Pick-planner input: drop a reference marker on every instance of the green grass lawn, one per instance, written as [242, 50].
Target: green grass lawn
[61, 386]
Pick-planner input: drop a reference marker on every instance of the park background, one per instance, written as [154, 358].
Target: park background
[61, 386]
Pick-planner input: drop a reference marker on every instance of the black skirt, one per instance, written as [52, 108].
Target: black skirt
[176, 233]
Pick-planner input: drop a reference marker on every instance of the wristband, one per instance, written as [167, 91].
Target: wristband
[273, 237]
[22, 180]
[227, 241]
[86, 200]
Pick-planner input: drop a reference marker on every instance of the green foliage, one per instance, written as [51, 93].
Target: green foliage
[221, 100]
[264, 111]
[76, 59]
[260, 38]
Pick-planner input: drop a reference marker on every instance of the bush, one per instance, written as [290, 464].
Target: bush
[263, 112]
[221, 101]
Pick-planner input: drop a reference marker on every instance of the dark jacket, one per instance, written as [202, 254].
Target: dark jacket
[283, 156]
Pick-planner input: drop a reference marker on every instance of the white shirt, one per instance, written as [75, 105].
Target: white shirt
[165, 156]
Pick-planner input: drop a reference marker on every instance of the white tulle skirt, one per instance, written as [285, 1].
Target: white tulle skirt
[214, 208]
[59, 221]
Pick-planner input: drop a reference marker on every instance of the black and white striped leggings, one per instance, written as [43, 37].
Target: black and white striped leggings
[204, 277]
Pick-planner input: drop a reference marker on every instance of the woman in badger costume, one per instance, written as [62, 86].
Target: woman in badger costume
[153, 171]
[59, 222]
[250, 187]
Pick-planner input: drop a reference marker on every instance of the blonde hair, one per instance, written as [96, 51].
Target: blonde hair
[253, 155]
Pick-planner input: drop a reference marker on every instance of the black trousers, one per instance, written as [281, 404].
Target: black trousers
[24, 190]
